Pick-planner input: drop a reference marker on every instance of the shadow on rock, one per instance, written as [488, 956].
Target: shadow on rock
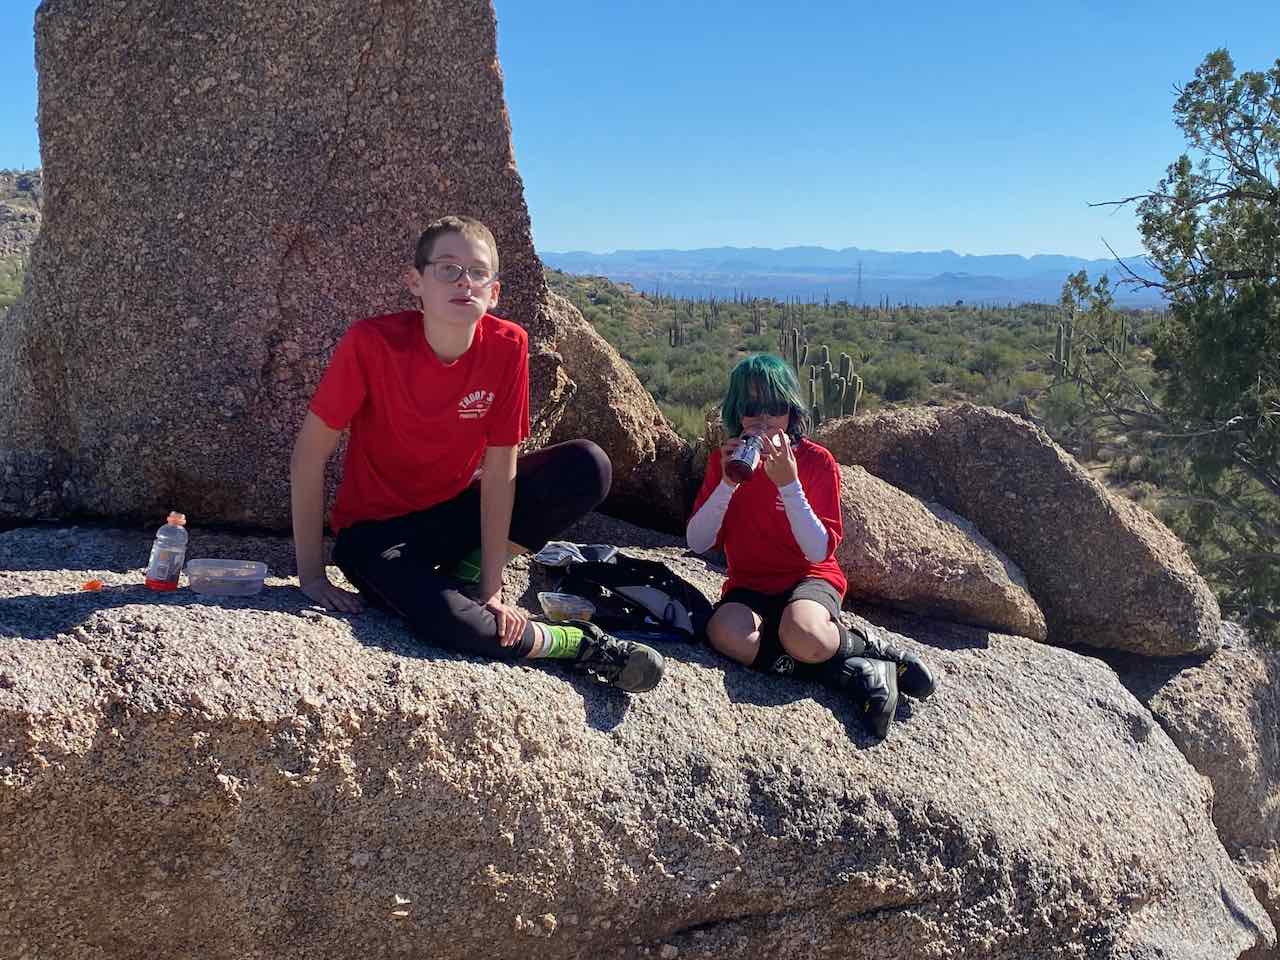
[46, 616]
[942, 634]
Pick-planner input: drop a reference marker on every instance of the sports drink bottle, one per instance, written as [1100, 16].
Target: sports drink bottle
[167, 553]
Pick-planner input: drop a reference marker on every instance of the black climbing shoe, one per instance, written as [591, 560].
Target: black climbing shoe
[873, 685]
[914, 678]
[624, 664]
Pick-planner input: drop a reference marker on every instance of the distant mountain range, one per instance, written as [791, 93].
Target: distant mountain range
[814, 272]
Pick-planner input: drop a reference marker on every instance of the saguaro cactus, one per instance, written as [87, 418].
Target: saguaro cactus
[1062, 350]
[676, 333]
[795, 349]
[832, 393]
[855, 391]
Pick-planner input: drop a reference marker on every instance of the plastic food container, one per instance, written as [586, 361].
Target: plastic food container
[566, 606]
[226, 578]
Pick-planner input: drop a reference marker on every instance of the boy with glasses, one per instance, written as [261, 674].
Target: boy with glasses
[434, 498]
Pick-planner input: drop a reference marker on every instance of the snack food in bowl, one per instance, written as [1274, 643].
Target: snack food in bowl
[566, 606]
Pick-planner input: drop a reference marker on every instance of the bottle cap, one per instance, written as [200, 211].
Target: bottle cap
[177, 519]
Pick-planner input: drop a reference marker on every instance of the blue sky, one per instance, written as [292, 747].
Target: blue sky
[983, 128]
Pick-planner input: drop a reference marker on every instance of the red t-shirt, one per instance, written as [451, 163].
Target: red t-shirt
[419, 427]
[756, 535]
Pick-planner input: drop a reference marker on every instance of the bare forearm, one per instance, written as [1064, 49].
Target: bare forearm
[307, 496]
[497, 496]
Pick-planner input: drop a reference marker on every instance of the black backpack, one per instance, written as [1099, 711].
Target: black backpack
[635, 597]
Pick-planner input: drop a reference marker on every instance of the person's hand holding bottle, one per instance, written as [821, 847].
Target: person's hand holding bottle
[779, 460]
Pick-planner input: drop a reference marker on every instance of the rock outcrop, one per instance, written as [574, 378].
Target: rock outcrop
[899, 552]
[1224, 715]
[226, 190]
[612, 407]
[19, 227]
[218, 778]
[1105, 572]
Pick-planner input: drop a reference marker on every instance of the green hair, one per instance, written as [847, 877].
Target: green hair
[774, 382]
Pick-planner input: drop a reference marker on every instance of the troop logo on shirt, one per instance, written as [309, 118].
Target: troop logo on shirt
[475, 404]
[777, 503]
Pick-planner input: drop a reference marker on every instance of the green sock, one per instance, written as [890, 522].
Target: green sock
[559, 642]
[468, 568]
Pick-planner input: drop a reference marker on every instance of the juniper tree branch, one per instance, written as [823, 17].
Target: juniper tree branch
[1264, 526]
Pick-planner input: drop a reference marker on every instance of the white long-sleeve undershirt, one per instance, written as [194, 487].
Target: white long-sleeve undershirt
[811, 536]
[704, 526]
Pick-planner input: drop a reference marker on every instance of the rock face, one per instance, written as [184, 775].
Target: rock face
[1222, 713]
[902, 553]
[227, 188]
[1105, 571]
[217, 778]
[651, 461]
[19, 226]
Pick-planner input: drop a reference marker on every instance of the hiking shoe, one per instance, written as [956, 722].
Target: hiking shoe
[914, 678]
[874, 686]
[624, 664]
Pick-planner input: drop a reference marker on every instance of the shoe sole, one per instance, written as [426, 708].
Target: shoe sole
[644, 667]
[877, 724]
[643, 671]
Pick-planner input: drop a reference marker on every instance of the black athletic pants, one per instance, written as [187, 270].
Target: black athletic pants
[403, 564]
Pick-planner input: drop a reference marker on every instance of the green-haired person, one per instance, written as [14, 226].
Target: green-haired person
[771, 500]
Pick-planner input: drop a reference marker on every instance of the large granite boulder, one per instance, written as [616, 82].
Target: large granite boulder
[227, 188]
[902, 553]
[1224, 715]
[612, 407]
[223, 778]
[1106, 572]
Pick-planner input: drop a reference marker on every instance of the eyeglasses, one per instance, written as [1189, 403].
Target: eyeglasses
[448, 272]
[772, 408]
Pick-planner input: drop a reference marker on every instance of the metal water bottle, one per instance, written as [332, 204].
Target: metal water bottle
[744, 460]
[167, 553]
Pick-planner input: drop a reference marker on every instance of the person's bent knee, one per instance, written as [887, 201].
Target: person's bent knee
[808, 635]
[589, 466]
[733, 633]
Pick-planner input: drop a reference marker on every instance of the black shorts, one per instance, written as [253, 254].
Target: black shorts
[769, 606]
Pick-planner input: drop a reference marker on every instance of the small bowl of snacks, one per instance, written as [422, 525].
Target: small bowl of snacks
[566, 606]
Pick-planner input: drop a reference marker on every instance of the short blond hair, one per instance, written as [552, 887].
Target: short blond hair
[467, 226]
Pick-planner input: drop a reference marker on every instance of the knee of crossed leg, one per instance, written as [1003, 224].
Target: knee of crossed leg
[808, 633]
[734, 632]
[590, 469]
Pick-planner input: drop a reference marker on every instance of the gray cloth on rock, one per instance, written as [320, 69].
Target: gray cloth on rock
[561, 553]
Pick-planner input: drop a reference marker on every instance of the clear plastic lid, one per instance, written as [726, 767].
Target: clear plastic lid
[176, 519]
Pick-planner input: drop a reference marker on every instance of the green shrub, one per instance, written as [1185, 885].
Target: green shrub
[686, 420]
[898, 378]
[1062, 408]
[11, 274]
